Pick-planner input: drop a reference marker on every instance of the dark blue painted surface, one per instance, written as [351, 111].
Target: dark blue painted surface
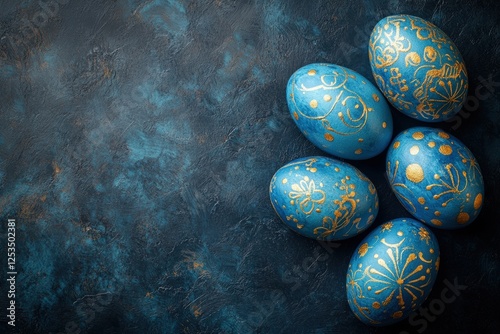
[137, 142]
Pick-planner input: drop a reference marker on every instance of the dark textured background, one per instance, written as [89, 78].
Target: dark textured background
[137, 142]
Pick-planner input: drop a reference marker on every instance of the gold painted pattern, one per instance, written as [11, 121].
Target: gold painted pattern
[393, 278]
[456, 183]
[306, 194]
[444, 83]
[354, 119]
[346, 209]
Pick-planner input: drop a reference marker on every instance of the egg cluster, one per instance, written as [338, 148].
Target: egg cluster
[436, 178]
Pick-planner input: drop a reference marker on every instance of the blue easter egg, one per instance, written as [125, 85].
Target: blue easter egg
[418, 68]
[435, 177]
[339, 111]
[392, 272]
[323, 198]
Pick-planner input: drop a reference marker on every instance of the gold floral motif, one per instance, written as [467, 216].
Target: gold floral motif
[447, 93]
[474, 169]
[308, 196]
[393, 275]
[444, 84]
[451, 186]
[387, 226]
[424, 235]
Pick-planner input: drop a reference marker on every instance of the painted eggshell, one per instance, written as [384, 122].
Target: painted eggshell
[339, 111]
[392, 272]
[418, 68]
[435, 177]
[323, 198]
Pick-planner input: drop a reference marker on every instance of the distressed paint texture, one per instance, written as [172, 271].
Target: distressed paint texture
[137, 142]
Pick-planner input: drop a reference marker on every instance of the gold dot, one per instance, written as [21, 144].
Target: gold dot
[327, 98]
[397, 314]
[418, 135]
[431, 144]
[375, 256]
[384, 125]
[284, 181]
[431, 251]
[295, 115]
[421, 200]
[445, 149]
[360, 140]
[369, 288]
[436, 222]
[313, 104]
[311, 72]
[328, 137]
[358, 151]
[414, 150]
[436, 176]
[337, 169]
[478, 201]
[400, 233]
[340, 114]
[414, 173]
[376, 305]
[437, 213]
[396, 144]
[375, 97]
[443, 135]
[463, 217]
[306, 178]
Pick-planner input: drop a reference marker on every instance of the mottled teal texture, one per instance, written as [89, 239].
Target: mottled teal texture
[418, 68]
[392, 272]
[137, 142]
[339, 111]
[435, 177]
[323, 198]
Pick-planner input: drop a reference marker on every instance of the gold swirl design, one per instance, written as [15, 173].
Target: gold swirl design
[393, 45]
[353, 276]
[346, 209]
[428, 31]
[371, 186]
[444, 84]
[354, 118]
